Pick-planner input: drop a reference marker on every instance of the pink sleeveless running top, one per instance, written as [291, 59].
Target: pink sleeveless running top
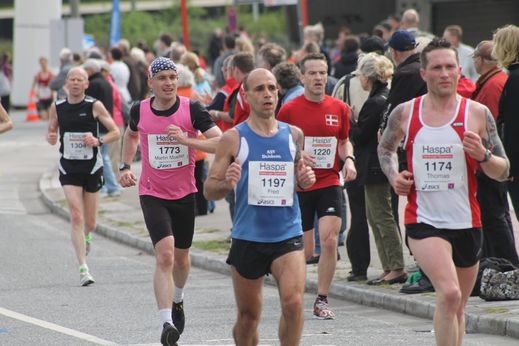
[167, 166]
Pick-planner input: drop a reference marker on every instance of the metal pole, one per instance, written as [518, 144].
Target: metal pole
[134, 5]
[300, 21]
[74, 8]
[255, 11]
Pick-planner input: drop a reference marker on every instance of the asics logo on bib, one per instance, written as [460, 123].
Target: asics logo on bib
[426, 149]
[265, 201]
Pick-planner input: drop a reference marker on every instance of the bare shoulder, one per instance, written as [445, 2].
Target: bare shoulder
[229, 142]
[479, 116]
[297, 133]
[399, 116]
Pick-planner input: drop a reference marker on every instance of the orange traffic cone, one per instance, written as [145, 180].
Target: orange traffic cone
[32, 112]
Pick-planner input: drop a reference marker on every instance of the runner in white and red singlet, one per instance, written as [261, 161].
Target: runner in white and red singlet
[446, 137]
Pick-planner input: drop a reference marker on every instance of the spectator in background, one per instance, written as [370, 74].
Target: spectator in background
[121, 75]
[177, 51]
[270, 55]
[453, 34]
[66, 63]
[244, 45]
[42, 90]
[215, 46]
[394, 20]
[288, 77]
[498, 232]
[201, 79]
[134, 83]
[348, 61]
[142, 69]
[315, 33]
[6, 73]
[164, 45]
[229, 48]
[411, 22]
[506, 50]
[243, 64]
[384, 30]
[115, 147]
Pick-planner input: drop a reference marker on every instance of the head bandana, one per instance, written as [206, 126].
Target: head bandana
[161, 64]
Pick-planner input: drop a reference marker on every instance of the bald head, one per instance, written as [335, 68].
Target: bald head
[255, 76]
[484, 50]
[78, 70]
[410, 19]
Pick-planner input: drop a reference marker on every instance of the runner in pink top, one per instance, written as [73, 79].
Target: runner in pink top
[167, 126]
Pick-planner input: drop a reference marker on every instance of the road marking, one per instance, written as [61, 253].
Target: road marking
[51, 326]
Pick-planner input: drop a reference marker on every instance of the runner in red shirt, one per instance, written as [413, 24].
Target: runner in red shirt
[325, 123]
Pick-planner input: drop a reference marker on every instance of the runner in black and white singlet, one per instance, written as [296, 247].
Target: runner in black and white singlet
[446, 137]
[80, 166]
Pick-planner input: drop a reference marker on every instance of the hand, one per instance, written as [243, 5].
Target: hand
[127, 179]
[90, 140]
[473, 146]
[305, 175]
[177, 133]
[233, 173]
[309, 159]
[349, 171]
[402, 183]
[52, 138]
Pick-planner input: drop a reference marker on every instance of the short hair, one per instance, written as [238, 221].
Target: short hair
[116, 53]
[124, 45]
[435, 44]
[351, 44]
[92, 65]
[229, 41]
[80, 70]
[66, 55]
[287, 74]
[311, 47]
[455, 30]
[244, 45]
[272, 54]
[506, 45]
[314, 32]
[484, 51]
[375, 67]
[186, 78]
[313, 56]
[177, 50]
[244, 62]
[167, 39]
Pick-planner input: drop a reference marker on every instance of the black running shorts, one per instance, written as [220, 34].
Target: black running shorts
[89, 182]
[252, 260]
[466, 243]
[326, 202]
[165, 218]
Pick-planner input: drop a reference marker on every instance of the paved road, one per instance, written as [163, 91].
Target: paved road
[42, 303]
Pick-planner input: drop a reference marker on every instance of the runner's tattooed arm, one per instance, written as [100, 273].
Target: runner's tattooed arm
[389, 142]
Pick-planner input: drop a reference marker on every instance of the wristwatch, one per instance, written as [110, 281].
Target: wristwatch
[352, 158]
[101, 141]
[123, 166]
[488, 155]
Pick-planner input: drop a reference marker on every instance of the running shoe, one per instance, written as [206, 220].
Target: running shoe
[322, 310]
[177, 314]
[85, 278]
[170, 335]
[88, 243]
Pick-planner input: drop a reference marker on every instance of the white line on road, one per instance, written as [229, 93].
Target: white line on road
[54, 327]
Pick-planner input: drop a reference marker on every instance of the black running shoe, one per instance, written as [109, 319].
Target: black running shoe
[177, 314]
[170, 335]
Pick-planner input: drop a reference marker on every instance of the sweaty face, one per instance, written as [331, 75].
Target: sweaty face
[164, 84]
[442, 72]
[315, 77]
[262, 93]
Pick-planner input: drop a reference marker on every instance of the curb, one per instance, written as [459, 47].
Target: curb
[374, 297]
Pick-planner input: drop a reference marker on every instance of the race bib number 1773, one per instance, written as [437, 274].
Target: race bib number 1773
[165, 152]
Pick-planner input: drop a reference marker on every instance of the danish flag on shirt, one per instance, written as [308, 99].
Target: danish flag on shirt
[332, 120]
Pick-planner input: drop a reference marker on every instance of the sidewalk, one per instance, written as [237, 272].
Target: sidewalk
[121, 219]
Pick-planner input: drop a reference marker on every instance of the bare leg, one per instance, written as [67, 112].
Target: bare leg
[467, 279]
[163, 279]
[248, 300]
[289, 272]
[328, 232]
[91, 202]
[74, 196]
[181, 267]
[434, 255]
[309, 241]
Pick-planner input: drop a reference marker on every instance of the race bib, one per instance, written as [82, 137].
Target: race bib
[271, 183]
[164, 152]
[438, 167]
[323, 148]
[44, 93]
[74, 148]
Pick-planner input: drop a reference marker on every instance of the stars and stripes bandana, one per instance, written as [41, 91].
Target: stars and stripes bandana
[161, 64]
